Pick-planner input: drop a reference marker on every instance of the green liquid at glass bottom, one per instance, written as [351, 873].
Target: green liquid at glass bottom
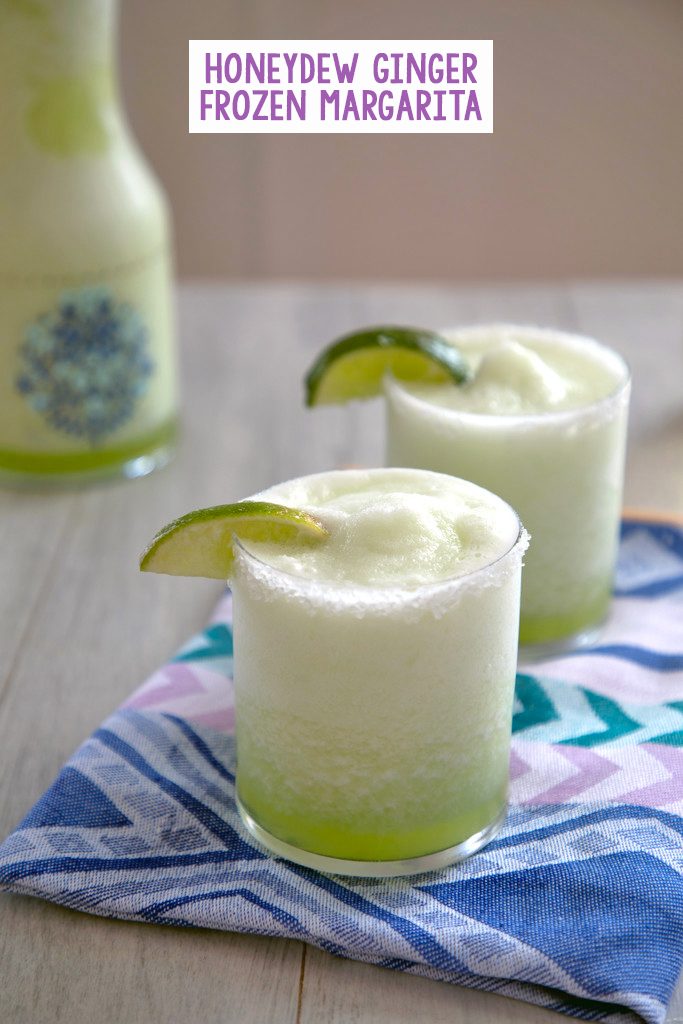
[590, 615]
[352, 840]
[136, 457]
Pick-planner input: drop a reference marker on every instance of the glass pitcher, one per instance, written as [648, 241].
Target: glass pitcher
[88, 383]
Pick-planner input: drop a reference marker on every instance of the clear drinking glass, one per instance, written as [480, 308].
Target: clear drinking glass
[561, 471]
[373, 724]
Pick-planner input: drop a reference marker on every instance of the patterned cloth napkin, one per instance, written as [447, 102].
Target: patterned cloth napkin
[577, 905]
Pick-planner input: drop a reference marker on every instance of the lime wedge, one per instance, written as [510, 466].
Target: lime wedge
[200, 543]
[353, 366]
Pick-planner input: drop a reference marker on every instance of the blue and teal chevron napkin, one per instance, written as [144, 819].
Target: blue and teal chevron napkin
[576, 906]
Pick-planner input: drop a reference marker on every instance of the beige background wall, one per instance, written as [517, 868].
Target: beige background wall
[583, 175]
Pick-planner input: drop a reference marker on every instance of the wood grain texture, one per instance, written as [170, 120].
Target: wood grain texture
[80, 628]
[81, 969]
[346, 992]
[26, 564]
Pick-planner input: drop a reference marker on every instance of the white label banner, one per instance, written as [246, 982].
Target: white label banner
[349, 86]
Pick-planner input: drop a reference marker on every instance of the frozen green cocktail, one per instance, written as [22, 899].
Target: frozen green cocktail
[375, 651]
[374, 673]
[542, 423]
[536, 416]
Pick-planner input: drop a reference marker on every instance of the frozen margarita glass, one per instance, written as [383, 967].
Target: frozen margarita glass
[374, 671]
[541, 421]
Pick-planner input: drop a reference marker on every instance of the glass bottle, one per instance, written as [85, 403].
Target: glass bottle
[87, 353]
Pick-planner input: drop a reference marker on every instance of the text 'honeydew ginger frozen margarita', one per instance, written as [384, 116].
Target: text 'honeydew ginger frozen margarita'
[374, 670]
[537, 416]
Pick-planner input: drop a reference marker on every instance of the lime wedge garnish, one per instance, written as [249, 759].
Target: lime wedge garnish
[353, 366]
[200, 543]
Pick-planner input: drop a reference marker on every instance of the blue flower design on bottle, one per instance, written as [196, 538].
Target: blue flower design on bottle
[85, 365]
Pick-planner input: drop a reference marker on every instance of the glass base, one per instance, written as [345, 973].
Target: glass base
[35, 471]
[529, 654]
[372, 868]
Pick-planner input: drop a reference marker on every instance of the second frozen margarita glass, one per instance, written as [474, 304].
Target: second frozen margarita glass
[543, 424]
[536, 416]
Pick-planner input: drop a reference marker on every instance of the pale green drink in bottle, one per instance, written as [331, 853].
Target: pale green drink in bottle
[87, 356]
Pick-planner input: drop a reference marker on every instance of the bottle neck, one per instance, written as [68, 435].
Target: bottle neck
[58, 86]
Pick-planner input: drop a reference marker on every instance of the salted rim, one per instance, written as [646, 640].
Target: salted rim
[596, 408]
[437, 595]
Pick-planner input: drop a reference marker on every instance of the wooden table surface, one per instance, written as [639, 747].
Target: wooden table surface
[80, 628]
